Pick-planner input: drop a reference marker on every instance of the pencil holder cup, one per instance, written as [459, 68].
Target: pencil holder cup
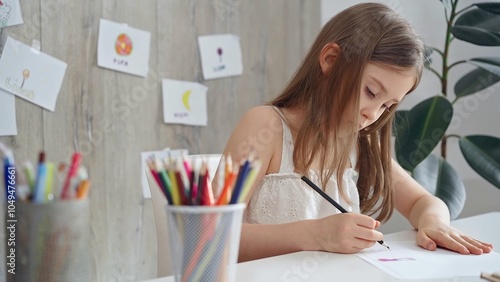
[204, 241]
[52, 242]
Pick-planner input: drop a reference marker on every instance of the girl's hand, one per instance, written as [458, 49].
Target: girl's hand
[346, 233]
[434, 233]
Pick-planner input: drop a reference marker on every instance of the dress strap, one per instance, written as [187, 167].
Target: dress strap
[280, 113]
[287, 145]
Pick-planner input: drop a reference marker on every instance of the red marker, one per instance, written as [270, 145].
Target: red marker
[75, 163]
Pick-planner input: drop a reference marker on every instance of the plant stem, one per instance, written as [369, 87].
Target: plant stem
[444, 78]
[446, 68]
[444, 142]
[435, 72]
[456, 63]
[437, 50]
[461, 11]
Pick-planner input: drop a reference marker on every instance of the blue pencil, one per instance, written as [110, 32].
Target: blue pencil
[242, 175]
[39, 190]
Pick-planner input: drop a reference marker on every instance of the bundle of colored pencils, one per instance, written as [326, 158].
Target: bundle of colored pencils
[45, 182]
[184, 184]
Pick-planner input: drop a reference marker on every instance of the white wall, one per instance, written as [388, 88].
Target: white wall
[472, 115]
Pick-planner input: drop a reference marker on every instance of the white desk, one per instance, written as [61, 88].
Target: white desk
[321, 266]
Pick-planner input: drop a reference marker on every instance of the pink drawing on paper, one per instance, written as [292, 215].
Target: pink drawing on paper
[395, 259]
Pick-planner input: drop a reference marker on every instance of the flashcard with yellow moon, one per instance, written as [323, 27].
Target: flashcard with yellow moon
[185, 99]
[184, 102]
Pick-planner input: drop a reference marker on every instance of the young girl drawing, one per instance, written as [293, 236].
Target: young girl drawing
[332, 123]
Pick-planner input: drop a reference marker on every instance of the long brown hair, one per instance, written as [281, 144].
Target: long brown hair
[367, 32]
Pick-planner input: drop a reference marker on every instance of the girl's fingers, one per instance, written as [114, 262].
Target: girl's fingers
[367, 234]
[478, 247]
[468, 244]
[453, 244]
[425, 242]
[361, 244]
[365, 221]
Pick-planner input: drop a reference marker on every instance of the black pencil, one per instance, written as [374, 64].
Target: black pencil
[332, 201]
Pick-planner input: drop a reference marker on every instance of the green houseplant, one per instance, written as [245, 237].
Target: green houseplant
[419, 130]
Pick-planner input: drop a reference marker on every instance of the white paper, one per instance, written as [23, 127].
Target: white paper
[406, 260]
[158, 155]
[220, 55]
[184, 102]
[8, 124]
[31, 74]
[10, 13]
[123, 48]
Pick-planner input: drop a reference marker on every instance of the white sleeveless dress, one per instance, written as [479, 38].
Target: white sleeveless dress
[283, 197]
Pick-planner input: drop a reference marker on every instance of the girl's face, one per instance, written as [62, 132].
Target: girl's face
[381, 88]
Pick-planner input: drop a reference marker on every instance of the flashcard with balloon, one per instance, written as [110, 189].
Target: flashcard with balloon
[123, 48]
[220, 55]
[10, 13]
[184, 102]
[31, 74]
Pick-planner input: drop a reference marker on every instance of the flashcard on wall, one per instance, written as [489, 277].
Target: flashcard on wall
[184, 102]
[31, 74]
[123, 48]
[8, 124]
[10, 13]
[220, 55]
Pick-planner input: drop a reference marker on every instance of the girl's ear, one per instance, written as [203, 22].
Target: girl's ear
[328, 55]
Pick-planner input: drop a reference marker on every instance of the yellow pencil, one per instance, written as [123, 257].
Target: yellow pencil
[175, 188]
[252, 175]
[49, 195]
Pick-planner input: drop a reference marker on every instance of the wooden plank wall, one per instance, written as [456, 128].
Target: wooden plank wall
[111, 117]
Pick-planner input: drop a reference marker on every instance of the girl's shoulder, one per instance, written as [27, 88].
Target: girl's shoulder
[260, 128]
[264, 111]
[263, 117]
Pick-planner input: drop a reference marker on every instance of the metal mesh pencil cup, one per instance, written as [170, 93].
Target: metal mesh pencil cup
[204, 241]
[53, 241]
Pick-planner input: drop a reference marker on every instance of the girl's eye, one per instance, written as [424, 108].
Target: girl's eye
[372, 95]
[369, 92]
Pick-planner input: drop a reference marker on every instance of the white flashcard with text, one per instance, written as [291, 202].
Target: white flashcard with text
[31, 74]
[184, 102]
[123, 48]
[220, 55]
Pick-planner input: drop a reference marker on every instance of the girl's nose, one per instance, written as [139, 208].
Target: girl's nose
[370, 115]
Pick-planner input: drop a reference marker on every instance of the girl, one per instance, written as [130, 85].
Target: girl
[332, 123]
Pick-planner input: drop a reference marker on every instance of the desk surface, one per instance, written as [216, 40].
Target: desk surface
[321, 266]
